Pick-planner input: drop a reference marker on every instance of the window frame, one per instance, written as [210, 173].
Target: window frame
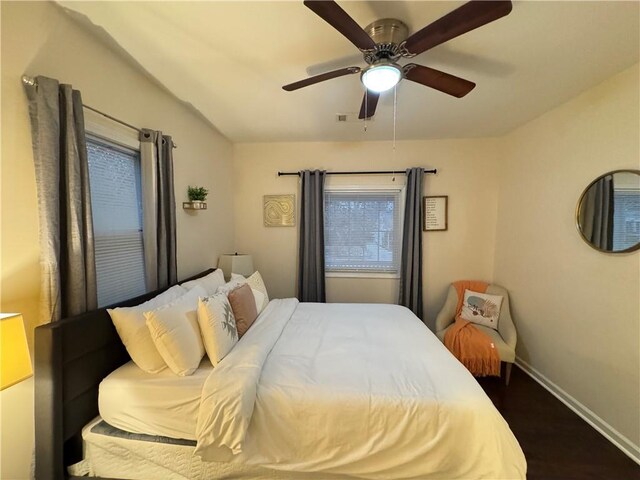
[101, 130]
[100, 127]
[375, 188]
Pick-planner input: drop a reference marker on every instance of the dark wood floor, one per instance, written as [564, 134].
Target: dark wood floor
[557, 443]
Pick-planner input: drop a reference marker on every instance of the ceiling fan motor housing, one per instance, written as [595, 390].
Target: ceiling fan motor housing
[388, 34]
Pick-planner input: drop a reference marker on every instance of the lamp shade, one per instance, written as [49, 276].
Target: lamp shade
[16, 362]
[239, 263]
[381, 76]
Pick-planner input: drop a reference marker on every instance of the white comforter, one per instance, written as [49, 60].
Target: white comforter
[362, 390]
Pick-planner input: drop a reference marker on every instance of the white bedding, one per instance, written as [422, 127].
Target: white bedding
[363, 390]
[161, 403]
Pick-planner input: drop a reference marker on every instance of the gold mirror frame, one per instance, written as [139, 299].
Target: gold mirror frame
[578, 208]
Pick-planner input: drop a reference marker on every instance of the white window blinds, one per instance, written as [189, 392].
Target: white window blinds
[363, 231]
[626, 218]
[116, 201]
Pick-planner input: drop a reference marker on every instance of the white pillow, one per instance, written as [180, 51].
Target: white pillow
[210, 282]
[256, 283]
[231, 285]
[481, 308]
[175, 332]
[259, 298]
[217, 325]
[132, 329]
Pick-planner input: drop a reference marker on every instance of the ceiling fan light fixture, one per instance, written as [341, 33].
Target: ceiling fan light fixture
[382, 76]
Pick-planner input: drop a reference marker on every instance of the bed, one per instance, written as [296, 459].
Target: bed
[311, 391]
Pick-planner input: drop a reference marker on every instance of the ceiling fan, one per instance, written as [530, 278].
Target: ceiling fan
[385, 41]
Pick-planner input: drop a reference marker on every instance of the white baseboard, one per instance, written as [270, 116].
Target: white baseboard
[610, 433]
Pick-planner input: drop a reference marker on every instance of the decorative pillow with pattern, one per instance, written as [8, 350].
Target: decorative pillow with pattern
[481, 308]
[217, 325]
[256, 283]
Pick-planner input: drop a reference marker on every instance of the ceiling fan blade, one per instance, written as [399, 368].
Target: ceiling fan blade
[468, 17]
[335, 16]
[321, 78]
[456, 86]
[369, 104]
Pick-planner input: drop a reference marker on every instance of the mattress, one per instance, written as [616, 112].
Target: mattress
[161, 404]
[113, 453]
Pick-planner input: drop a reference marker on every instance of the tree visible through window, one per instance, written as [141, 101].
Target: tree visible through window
[362, 231]
[116, 202]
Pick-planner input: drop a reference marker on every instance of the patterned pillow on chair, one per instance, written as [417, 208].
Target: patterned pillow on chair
[481, 308]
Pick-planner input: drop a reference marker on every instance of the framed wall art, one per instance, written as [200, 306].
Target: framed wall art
[435, 213]
[279, 210]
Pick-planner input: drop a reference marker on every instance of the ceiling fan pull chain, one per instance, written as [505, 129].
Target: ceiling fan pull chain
[366, 104]
[395, 111]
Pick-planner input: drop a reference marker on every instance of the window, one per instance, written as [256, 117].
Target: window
[626, 218]
[116, 201]
[363, 230]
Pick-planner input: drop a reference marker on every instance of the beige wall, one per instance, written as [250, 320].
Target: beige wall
[511, 209]
[38, 39]
[577, 310]
[467, 173]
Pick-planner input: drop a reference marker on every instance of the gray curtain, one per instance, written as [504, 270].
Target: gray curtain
[158, 210]
[67, 258]
[411, 266]
[597, 213]
[311, 283]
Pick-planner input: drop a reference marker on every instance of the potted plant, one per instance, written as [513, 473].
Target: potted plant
[197, 195]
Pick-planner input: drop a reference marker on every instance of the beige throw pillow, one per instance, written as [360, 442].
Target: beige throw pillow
[132, 329]
[176, 334]
[243, 304]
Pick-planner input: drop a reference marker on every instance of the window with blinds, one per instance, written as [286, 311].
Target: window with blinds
[626, 218]
[116, 201]
[363, 231]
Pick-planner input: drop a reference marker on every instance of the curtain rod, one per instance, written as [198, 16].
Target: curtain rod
[32, 83]
[370, 172]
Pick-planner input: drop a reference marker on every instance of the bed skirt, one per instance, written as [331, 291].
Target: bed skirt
[113, 453]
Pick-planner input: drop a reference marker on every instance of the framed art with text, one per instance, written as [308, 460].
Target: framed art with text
[435, 213]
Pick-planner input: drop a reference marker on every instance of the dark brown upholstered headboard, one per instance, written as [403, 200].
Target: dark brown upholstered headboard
[72, 357]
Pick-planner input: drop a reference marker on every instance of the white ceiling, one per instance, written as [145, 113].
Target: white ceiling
[230, 60]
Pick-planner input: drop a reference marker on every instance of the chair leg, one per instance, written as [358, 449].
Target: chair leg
[507, 372]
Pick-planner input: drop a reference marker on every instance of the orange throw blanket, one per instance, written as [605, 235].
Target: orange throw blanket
[472, 347]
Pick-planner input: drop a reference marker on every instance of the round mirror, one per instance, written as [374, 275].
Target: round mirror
[608, 213]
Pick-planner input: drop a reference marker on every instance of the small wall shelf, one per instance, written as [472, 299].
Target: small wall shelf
[194, 205]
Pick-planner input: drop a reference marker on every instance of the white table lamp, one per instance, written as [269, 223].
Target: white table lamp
[239, 263]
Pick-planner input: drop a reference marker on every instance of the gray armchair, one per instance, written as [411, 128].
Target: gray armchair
[504, 338]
